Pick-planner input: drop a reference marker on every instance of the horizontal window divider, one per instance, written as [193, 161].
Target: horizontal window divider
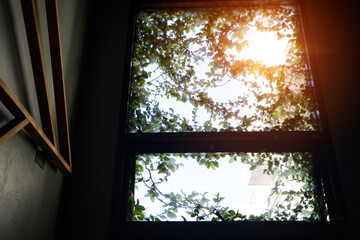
[224, 142]
[224, 230]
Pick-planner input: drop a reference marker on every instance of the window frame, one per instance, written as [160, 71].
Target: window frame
[316, 142]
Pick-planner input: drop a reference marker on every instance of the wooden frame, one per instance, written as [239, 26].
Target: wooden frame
[23, 120]
[46, 138]
[37, 61]
[58, 79]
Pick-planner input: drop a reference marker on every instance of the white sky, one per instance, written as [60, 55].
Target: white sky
[230, 180]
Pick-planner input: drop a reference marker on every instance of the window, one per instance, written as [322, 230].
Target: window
[220, 69]
[223, 86]
[225, 187]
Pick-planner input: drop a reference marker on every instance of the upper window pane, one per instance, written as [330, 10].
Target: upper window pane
[220, 69]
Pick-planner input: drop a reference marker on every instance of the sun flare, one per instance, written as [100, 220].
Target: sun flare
[265, 47]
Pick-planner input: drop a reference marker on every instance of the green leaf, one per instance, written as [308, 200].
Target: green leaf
[139, 207]
[171, 215]
[141, 168]
[205, 200]
[232, 159]
[252, 167]
[208, 165]
[231, 212]
[178, 197]
[172, 168]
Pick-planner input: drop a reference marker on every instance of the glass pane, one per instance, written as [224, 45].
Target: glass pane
[220, 69]
[237, 186]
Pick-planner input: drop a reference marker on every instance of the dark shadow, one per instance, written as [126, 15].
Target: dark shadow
[14, 45]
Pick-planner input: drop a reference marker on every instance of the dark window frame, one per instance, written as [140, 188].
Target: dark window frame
[317, 142]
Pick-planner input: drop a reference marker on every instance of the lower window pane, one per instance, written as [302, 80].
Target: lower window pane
[224, 187]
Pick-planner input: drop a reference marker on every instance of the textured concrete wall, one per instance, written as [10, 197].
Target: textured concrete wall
[87, 211]
[30, 196]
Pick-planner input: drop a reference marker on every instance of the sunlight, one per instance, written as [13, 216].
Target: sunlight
[264, 47]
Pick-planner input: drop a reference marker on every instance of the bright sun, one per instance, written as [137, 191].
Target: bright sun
[263, 46]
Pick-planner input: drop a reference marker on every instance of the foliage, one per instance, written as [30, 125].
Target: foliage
[297, 204]
[173, 49]
[182, 57]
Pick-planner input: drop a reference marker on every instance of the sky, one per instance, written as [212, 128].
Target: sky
[230, 180]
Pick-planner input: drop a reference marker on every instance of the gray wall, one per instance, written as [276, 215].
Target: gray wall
[29, 195]
[87, 208]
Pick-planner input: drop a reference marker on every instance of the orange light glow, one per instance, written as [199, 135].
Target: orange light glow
[264, 47]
